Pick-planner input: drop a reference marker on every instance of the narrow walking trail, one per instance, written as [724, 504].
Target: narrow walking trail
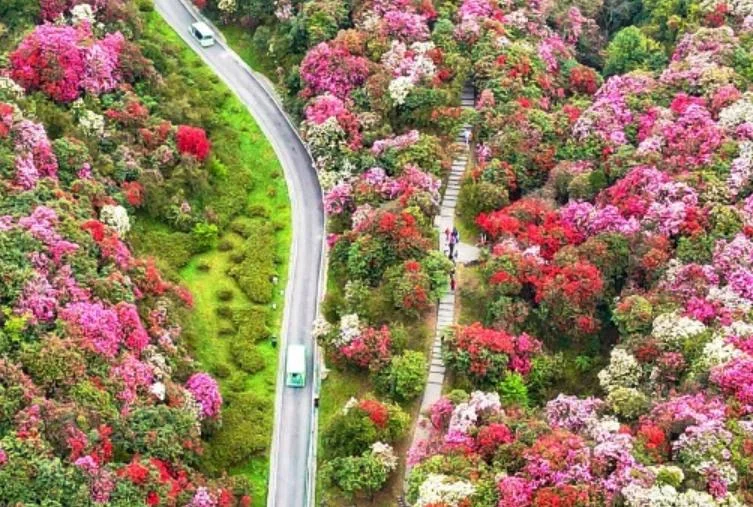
[466, 253]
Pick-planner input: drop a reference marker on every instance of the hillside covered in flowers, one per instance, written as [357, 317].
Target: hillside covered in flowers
[103, 152]
[603, 353]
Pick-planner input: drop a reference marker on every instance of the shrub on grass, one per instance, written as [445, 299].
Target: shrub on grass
[224, 311]
[257, 211]
[237, 257]
[246, 424]
[246, 355]
[254, 274]
[403, 379]
[252, 323]
[226, 329]
[243, 226]
[225, 245]
[204, 266]
[221, 370]
[224, 294]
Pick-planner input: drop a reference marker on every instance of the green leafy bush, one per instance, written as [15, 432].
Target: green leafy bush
[246, 422]
[246, 355]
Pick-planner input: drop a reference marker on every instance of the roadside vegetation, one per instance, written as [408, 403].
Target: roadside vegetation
[603, 355]
[238, 283]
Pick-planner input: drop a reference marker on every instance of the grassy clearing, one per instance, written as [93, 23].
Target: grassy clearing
[247, 184]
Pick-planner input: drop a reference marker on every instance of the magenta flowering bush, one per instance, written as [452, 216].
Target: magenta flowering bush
[206, 392]
[63, 61]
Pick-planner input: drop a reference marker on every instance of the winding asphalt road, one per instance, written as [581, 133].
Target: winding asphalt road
[291, 458]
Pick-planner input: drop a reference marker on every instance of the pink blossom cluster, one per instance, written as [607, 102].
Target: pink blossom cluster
[64, 61]
[206, 392]
[329, 67]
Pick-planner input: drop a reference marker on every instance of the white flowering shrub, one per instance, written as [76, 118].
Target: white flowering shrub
[9, 89]
[399, 89]
[442, 490]
[623, 371]
[82, 12]
[350, 328]
[227, 6]
[673, 330]
[91, 123]
[321, 328]
[385, 454]
[117, 218]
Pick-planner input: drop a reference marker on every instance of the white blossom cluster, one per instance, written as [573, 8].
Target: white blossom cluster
[10, 89]
[665, 495]
[399, 89]
[350, 328]
[623, 371]
[82, 12]
[321, 328]
[673, 329]
[440, 489]
[727, 298]
[116, 217]
[737, 113]
[385, 454]
[91, 123]
[741, 168]
[227, 6]
[465, 415]
[716, 352]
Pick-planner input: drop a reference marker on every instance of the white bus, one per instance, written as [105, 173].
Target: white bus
[203, 34]
[295, 370]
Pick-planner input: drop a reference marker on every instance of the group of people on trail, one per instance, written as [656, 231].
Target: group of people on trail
[452, 238]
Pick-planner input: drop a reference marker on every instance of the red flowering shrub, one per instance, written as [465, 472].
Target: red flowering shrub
[376, 411]
[193, 141]
[371, 349]
[490, 437]
[486, 355]
[532, 223]
[63, 61]
[569, 294]
[584, 79]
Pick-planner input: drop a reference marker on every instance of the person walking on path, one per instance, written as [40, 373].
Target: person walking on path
[455, 234]
[452, 281]
[467, 135]
[452, 248]
[447, 234]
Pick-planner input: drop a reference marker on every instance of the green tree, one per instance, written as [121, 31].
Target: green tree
[354, 475]
[631, 49]
[513, 390]
[404, 379]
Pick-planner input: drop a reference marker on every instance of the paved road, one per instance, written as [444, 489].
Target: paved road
[293, 422]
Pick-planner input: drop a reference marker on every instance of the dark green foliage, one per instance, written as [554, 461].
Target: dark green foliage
[354, 475]
[247, 420]
[481, 197]
[224, 295]
[246, 355]
[158, 431]
[254, 273]
[225, 311]
[403, 379]
[631, 49]
[252, 323]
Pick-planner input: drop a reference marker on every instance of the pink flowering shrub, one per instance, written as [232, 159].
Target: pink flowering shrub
[331, 68]
[205, 391]
[63, 61]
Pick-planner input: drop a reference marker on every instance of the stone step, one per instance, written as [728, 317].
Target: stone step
[436, 370]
